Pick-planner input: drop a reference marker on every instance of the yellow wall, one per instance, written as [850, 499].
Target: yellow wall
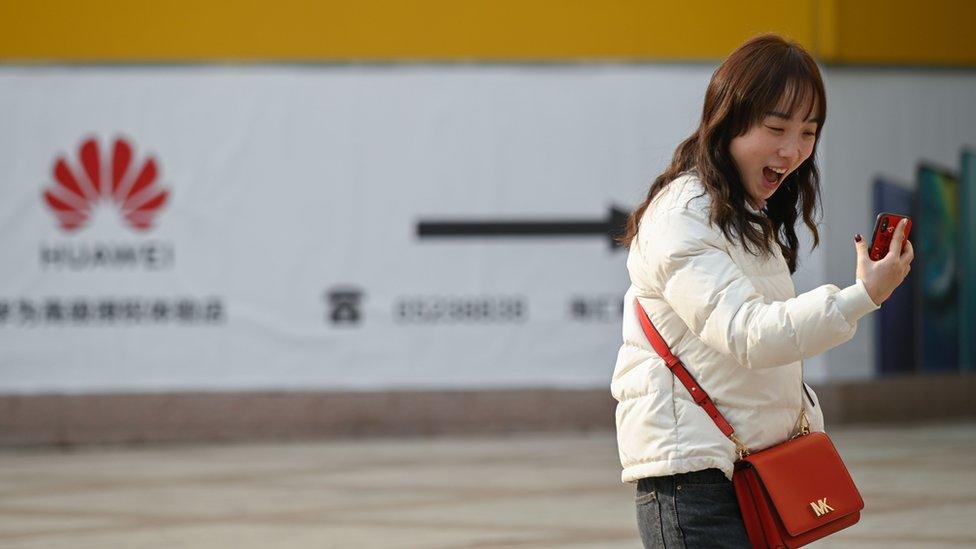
[868, 31]
[941, 32]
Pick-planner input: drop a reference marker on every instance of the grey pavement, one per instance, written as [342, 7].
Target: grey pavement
[523, 490]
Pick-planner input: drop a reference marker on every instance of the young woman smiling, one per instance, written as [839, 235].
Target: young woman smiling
[712, 250]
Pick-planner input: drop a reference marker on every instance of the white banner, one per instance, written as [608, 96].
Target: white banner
[181, 228]
[230, 228]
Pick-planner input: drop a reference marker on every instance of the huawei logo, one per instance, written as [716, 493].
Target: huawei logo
[114, 179]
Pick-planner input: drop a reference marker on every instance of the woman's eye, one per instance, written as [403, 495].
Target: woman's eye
[810, 134]
[777, 130]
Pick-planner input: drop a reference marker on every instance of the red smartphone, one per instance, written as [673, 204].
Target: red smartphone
[884, 230]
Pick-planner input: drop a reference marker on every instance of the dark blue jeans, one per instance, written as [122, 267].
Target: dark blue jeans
[690, 510]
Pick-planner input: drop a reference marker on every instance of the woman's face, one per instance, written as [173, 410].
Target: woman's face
[771, 150]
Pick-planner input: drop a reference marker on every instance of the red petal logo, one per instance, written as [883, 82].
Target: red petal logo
[116, 180]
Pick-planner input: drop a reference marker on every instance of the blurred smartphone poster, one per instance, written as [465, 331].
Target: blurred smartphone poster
[894, 334]
[936, 231]
[967, 241]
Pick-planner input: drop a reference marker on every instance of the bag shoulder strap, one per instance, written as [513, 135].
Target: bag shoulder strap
[678, 369]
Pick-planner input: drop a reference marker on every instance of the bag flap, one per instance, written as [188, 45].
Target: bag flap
[807, 482]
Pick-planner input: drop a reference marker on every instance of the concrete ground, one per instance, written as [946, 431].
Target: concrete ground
[525, 490]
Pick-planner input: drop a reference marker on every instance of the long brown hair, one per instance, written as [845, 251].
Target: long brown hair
[751, 82]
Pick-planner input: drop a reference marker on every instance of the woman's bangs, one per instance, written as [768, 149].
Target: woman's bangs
[798, 92]
[802, 92]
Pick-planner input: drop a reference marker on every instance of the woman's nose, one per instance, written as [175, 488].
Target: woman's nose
[790, 151]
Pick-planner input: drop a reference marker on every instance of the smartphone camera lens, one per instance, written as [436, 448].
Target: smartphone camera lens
[884, 223]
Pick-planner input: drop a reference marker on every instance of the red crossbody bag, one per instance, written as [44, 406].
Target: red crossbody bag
[790, 494]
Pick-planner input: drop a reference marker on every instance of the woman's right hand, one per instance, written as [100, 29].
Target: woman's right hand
[882, 277]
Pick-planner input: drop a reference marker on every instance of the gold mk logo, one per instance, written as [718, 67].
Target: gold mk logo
[820, 507]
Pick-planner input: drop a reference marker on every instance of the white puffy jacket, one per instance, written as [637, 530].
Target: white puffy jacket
[736, 323]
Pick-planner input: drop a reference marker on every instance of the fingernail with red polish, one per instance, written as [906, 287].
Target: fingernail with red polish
[857, 237]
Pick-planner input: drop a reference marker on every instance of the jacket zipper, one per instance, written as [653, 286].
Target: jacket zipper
[810, 398]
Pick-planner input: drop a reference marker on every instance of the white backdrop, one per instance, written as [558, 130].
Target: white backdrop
[288, 184]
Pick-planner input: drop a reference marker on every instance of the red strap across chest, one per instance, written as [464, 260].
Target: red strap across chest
[678, 369]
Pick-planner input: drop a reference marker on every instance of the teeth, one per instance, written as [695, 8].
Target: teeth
[780, 171]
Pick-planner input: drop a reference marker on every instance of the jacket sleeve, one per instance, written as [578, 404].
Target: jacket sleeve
[687, 261]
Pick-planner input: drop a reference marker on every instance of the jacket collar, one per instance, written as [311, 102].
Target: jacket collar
[752, 209]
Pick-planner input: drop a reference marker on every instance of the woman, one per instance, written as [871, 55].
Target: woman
[712, 249]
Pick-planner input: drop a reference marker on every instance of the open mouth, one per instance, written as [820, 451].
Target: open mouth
[773, 175]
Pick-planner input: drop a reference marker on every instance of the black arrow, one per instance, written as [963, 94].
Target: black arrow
[613, 225]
